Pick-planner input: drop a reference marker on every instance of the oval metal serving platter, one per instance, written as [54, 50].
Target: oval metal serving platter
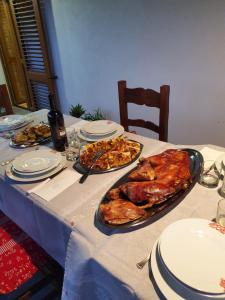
[157, 211]
[41, 140]
[32, 144]
[78, 166]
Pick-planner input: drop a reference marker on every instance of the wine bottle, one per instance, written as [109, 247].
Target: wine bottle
[56, 122]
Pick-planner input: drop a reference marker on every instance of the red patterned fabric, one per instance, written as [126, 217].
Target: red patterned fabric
[20, 256]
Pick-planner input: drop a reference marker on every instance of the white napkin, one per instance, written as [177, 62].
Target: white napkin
[210, 154]
[50, 188]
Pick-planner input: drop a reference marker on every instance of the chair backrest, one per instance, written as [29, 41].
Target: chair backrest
[5, 103]
[148, 97]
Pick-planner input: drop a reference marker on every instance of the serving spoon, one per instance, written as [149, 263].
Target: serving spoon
[97, 155]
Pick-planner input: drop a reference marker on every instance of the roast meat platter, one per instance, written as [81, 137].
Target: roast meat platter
[117, 200]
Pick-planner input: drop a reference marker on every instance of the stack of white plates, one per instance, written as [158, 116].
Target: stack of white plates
[11, 122]
[35, 165]
[188, 261]
[100, 130]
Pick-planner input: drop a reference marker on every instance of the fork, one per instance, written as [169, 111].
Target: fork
[97, 155]
[140, 265]
[6, 162]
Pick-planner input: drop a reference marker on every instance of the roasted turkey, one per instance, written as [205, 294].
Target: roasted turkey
[147, 191]
[120, 211]
[155, 179]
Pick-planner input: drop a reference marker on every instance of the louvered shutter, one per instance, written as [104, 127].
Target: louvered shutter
[29, 28]
[11, 58]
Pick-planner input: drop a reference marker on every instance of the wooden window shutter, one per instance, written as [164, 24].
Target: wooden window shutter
[11, 58]
[32, 41]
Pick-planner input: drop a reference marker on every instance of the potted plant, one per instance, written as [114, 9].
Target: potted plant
[77, 110]
[97, 115]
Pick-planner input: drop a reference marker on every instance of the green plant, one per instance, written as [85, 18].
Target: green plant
[77, 110]
[97, 115]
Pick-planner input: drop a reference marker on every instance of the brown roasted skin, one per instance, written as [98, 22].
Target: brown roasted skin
[155, 179]
[150, 191]
[114, 194]
[143, 172]
[168, 156]
[172, 167]
[176, 175]
[32, 134]
[120, 211]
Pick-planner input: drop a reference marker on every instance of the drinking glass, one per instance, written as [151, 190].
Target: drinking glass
[210, 174]
[82, 147]
[72, 147]
[222, 189]
[220, 216]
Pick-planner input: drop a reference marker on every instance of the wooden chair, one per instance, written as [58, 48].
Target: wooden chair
[26, 270]
[148, 97]
[5, 104]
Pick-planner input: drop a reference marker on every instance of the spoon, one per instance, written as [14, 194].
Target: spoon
[140, 265]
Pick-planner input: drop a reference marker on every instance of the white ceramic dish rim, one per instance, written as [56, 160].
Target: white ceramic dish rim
[10, 174]
[36, 173]
[118, 132]
[16, 126]
[167, 290]
[20, 160]
[204, 241]
[13, 120]
[100, 127]
[90, 135]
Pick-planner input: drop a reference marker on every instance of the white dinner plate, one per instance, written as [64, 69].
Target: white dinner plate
[9, 173]
[96, 135]
[10, 120]
[36, 173]
[16, 126]
[194, 253]
[93, 138]
[100, 127]
[169, 286]
[163, 286]
[36, 161]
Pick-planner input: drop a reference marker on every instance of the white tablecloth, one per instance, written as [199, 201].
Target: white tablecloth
[99, 264]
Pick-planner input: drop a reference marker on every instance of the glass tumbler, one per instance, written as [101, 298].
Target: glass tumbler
[222, 189]
[220, 216]
[73, 145]
[210, 174]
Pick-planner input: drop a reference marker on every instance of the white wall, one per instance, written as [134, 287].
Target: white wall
[148, 43]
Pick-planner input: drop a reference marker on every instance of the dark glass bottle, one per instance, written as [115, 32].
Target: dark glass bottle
[56, 122]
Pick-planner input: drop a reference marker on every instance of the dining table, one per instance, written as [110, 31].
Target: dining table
[99, 261]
